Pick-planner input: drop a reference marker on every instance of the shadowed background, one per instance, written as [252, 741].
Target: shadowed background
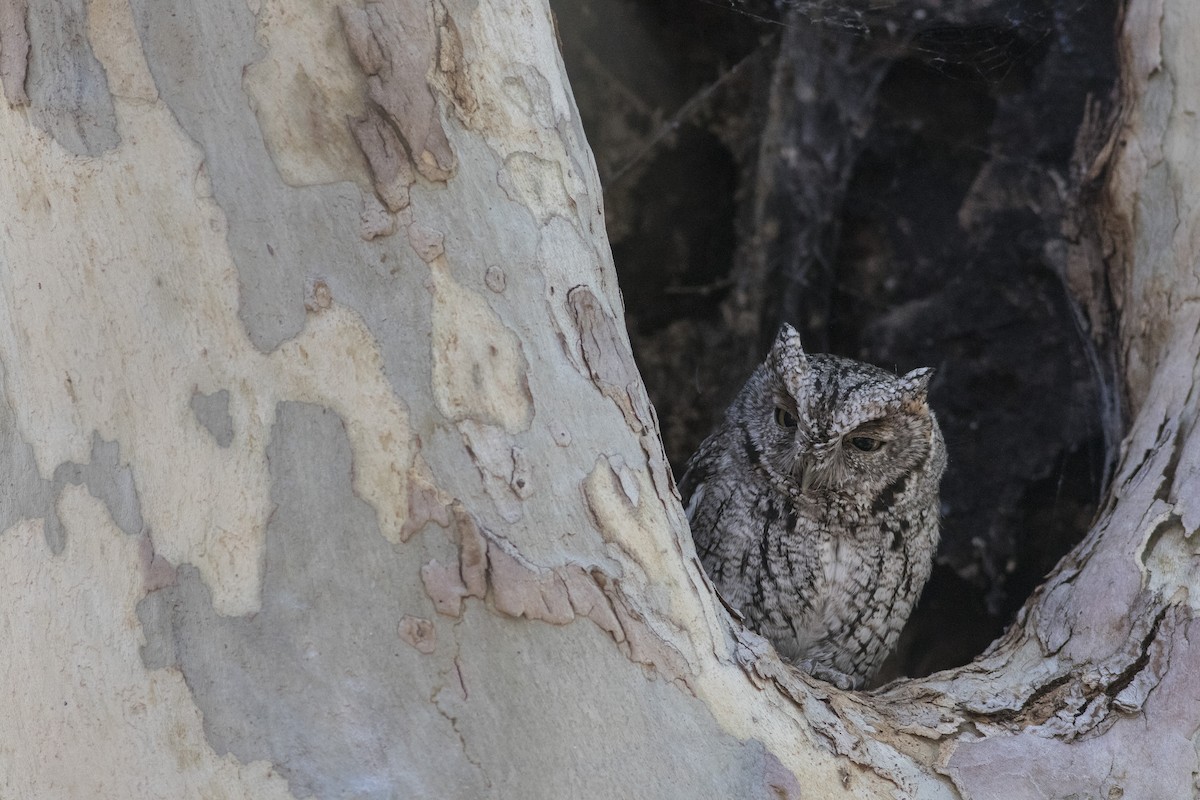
[897, 183]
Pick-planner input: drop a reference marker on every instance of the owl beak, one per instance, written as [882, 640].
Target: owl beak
[806, 473]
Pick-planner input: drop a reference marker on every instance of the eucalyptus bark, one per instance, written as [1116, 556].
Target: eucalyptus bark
[328, 471]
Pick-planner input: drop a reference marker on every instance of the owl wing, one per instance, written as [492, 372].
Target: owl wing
[696, 474]
[701, 488]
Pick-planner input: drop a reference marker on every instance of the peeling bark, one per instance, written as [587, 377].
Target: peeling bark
[395, 44]
[391, 169]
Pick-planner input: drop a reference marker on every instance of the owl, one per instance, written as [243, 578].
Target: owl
[814, 506]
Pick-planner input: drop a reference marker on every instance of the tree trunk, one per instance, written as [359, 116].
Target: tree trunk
[328, 471]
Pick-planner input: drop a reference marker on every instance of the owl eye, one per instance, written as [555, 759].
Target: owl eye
[784, 418]
[866, 443]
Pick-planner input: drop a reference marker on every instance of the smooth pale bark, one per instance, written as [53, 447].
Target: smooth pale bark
[328, 471]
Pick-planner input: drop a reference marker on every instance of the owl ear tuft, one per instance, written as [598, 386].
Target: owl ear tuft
[787, 355]
[914, 388]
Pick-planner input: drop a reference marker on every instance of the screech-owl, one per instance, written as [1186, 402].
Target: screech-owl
[814, 506]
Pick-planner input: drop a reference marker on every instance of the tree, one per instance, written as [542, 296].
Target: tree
[329, 471]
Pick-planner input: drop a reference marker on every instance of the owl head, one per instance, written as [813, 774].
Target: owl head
[824, 424]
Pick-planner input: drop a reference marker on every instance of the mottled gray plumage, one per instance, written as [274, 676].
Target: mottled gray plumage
[814, 506]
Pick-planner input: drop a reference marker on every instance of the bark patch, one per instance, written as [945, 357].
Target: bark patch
[391, 171]
[539, 185]
[426, 503]
[1170, 559]
[420, 633]
[212, 412]
[14, 51]
[303, 90]
[452, 63]
[395, 45]
[611, 368]
[106, 478]
[157, 572]
[609, 362]
[69, 94]
[522, 589]
[479, 368]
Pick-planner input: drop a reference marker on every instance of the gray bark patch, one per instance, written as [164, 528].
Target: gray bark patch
[67, 87]
[108, 481]
[320, 681]
[212, 411]
[24, 494]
